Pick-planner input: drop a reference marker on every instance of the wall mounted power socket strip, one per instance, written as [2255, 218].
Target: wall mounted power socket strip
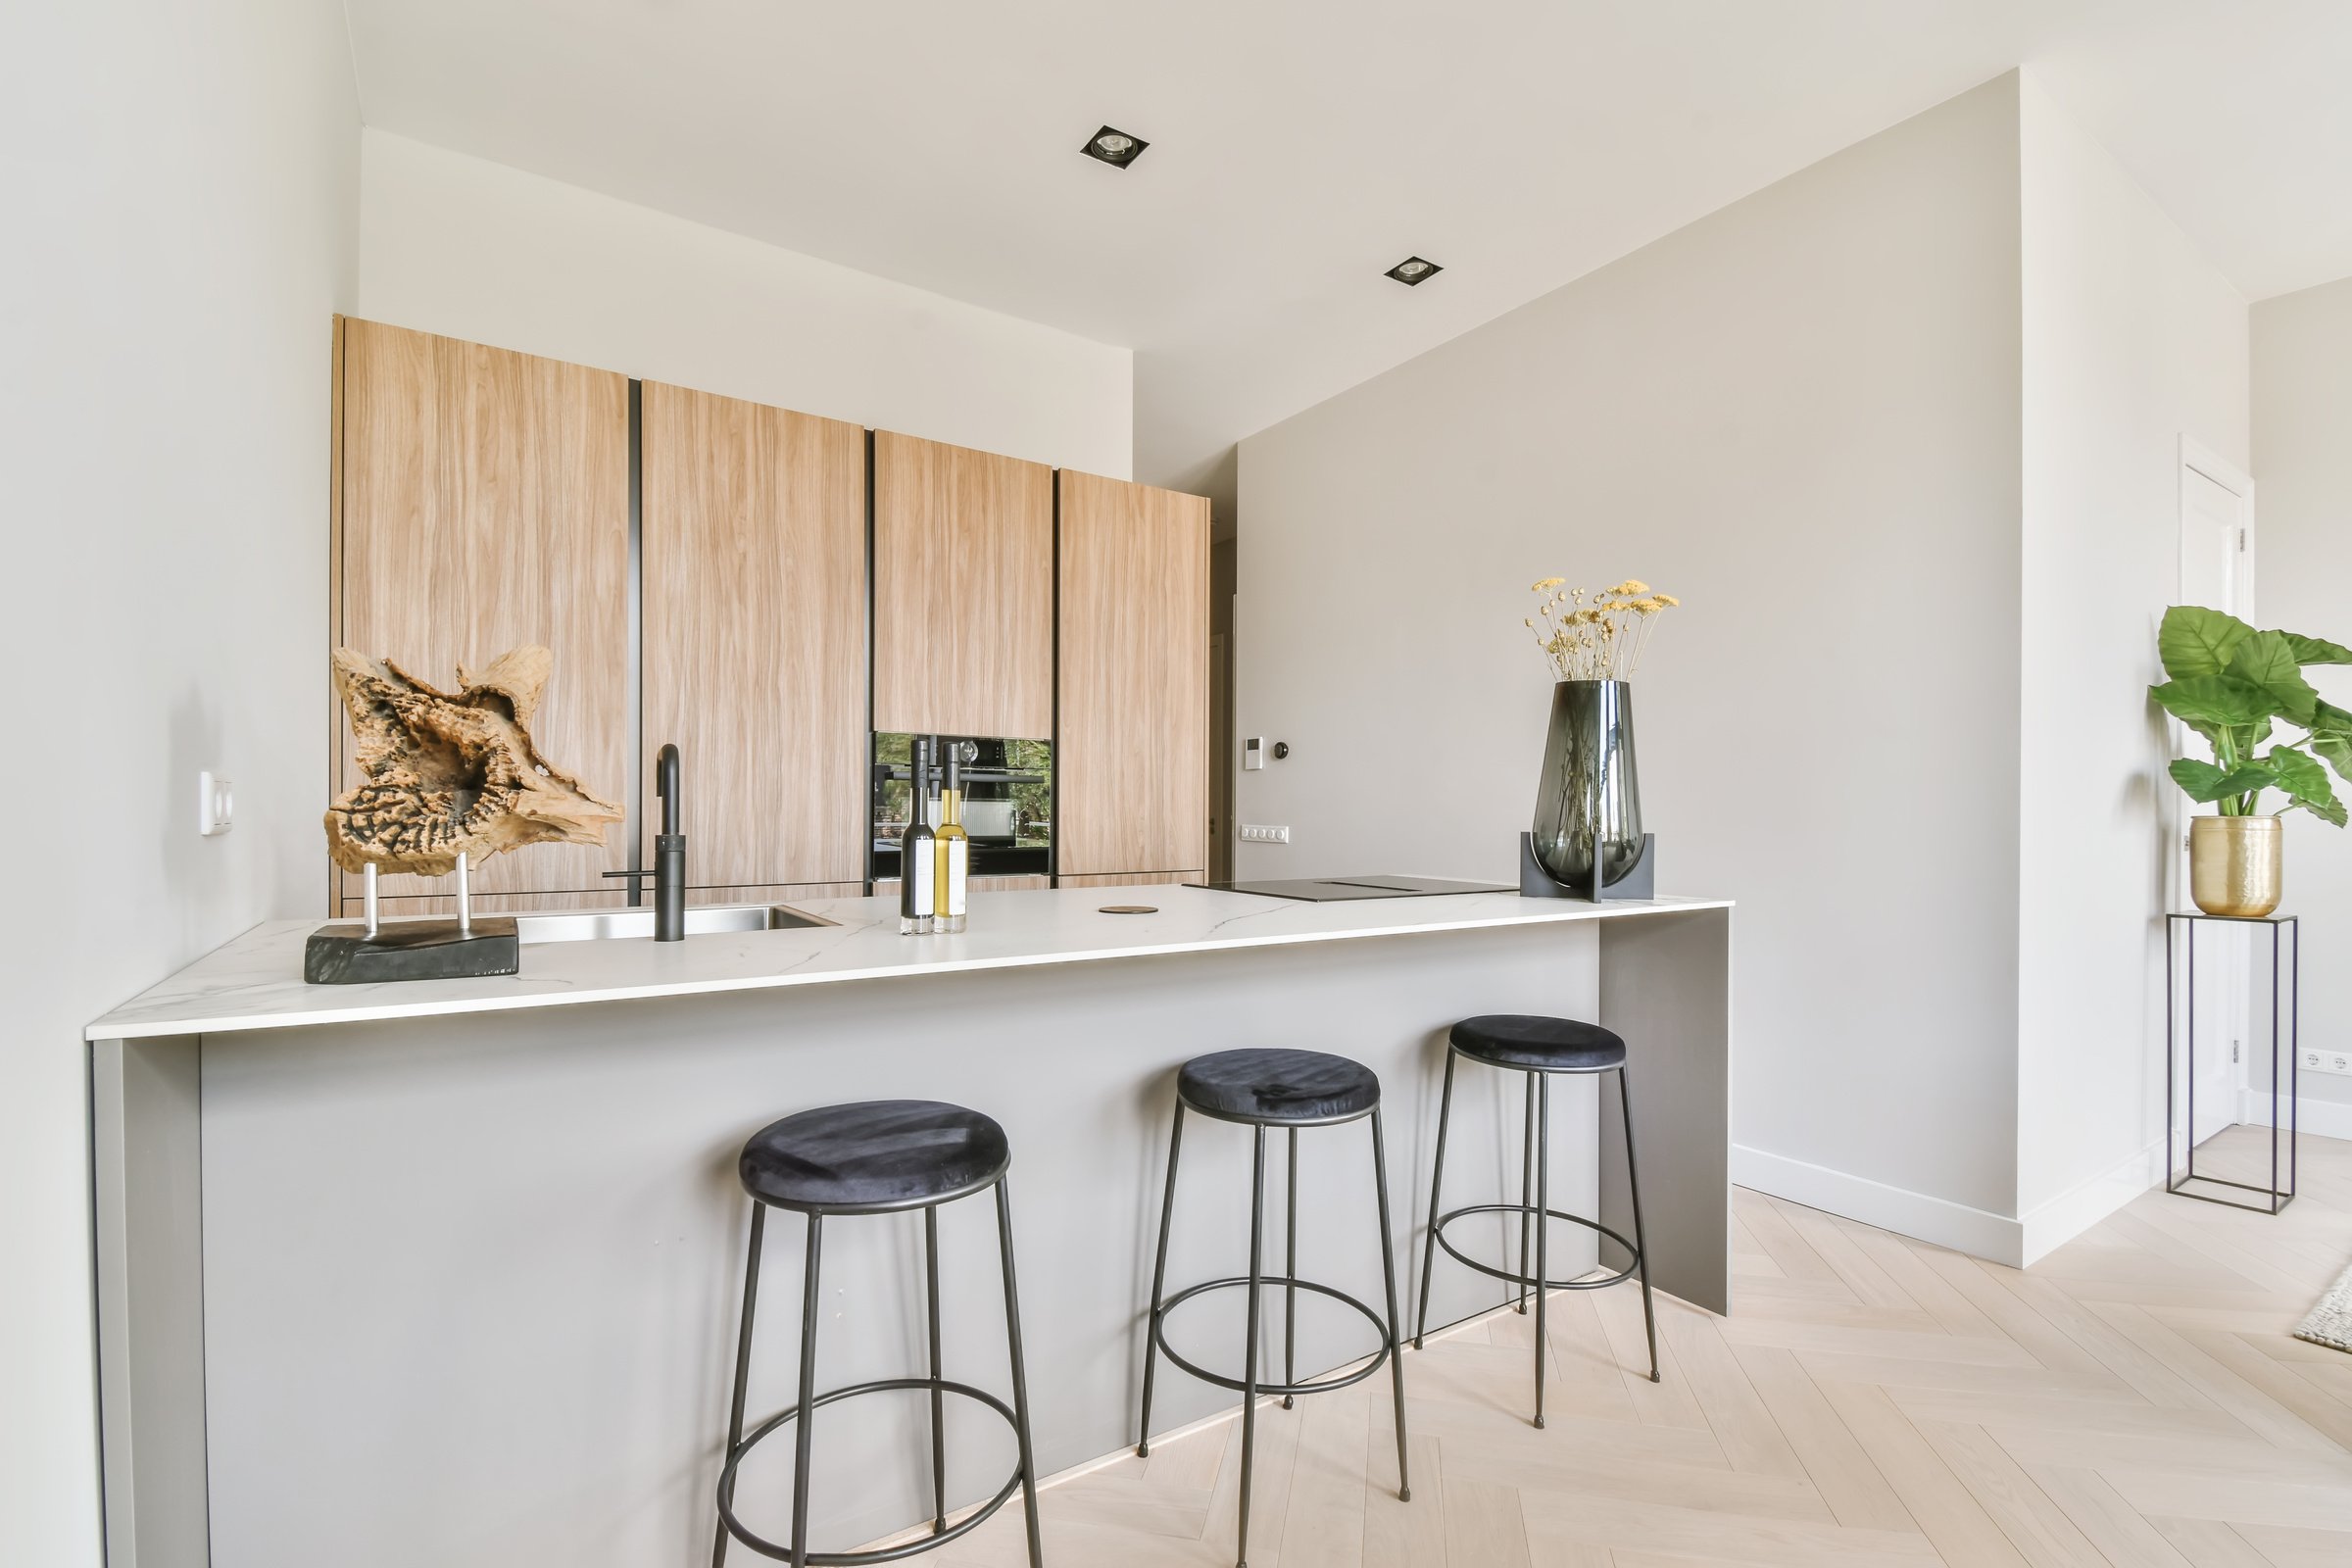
[2311, 1058]
[1259, 833]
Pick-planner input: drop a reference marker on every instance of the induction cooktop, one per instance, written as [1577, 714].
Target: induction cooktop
[1341, 889]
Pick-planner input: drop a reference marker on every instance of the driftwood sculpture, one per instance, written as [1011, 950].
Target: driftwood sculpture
[452, 772]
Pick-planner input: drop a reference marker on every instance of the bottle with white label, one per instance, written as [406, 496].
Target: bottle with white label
[951, 848]
[917, 908]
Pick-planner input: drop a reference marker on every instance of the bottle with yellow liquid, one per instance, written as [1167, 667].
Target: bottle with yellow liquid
[951, 848]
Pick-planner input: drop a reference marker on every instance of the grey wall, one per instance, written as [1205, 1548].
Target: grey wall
[181, 186]
[1802, 415]
[2132, 340]
[476, 250]
[2303, 511]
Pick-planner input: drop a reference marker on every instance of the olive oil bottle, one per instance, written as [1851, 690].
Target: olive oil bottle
[951, 848]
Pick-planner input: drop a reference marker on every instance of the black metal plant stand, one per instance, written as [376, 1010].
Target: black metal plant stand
[2178, 1063]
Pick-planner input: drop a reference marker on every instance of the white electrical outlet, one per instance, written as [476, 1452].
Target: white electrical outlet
[2315, 1059]
[1259, 833]
[216, 805]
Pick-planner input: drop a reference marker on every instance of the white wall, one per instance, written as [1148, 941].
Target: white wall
[2303, 507]
[181, 189]
[1801, 414]
[476, 250]
[2131, 339]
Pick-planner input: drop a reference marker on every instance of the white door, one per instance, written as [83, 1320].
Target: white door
[2217, 570]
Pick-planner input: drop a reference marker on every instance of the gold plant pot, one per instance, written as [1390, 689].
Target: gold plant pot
[2234, 865]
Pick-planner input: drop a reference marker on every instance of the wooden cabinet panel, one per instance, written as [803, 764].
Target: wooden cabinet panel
[539, 902]
[483, 504]
[355, 908]
[1132, 763]
[784, 894]
[1136, 879]
[963, 591]
[752, 544]
[888, 887]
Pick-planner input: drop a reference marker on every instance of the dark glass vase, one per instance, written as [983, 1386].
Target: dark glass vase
[1589, 794]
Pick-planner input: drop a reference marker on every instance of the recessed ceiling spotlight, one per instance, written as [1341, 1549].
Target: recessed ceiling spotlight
[1413, 272]
[1115, 147]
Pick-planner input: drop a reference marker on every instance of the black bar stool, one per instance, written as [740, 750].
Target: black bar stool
[1539, 1048]
[1263, 1090]
[880, 1156]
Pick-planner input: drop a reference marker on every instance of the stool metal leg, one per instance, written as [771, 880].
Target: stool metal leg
[1159, 1275]
[939, 1439]
[1290, 1293]
[1633, 1183]
[1543, 1225]
[1387, 1273]
[743, 1360]
[1020, 1370]
[1257, 1217]
[807, 1426]
[1437, 1184]
[1527, 1168]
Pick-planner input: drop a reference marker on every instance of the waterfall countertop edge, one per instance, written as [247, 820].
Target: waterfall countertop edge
[254, 980]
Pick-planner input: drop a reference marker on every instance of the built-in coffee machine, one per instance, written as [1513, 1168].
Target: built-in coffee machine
[1008, 802]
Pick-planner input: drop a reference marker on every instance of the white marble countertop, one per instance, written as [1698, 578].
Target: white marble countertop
[255, 981]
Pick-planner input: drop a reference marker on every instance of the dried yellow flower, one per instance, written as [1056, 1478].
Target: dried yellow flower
[1596, 636]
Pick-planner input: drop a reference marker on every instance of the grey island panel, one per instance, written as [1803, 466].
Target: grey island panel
[461, 1288]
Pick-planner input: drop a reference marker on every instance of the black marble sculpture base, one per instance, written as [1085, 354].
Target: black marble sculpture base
[345, 955]
[1639, 881]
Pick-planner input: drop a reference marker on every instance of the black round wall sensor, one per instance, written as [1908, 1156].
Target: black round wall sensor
[1282, 749]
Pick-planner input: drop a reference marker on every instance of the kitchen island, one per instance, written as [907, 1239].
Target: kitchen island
[449, 1271]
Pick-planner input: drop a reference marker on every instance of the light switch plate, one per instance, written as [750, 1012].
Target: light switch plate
[1260, 833]
[216, 805]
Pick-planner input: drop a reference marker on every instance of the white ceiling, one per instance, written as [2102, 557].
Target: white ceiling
[1299, 147]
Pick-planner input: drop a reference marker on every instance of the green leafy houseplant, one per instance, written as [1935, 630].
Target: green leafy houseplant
[2231, 684]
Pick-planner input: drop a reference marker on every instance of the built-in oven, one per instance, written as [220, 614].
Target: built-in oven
[1008, 803]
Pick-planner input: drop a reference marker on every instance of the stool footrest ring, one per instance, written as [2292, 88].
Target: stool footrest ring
[1380, 1358]
[1511, 1277]
[853, 1559]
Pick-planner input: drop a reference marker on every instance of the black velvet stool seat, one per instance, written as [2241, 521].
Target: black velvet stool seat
[1281, 1088]
[1547, 1045]
[1540, 1047]
[879, 1156]
[1267, 1090]
[874, 1156]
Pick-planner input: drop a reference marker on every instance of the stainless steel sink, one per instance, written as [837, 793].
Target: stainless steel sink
[597, 925]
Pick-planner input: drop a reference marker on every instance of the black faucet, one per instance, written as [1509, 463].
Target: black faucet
[669, 855]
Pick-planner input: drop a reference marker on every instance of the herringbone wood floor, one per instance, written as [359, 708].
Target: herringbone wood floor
[2133, 1398]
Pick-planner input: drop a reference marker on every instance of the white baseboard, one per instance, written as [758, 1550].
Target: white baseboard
[2018, 1242]
[1976, 1231]
[2322, 1118]
[2050, 1225]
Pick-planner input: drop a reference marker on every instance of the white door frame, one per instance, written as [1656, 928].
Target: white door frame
[2232, 971]
[2198, 458]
